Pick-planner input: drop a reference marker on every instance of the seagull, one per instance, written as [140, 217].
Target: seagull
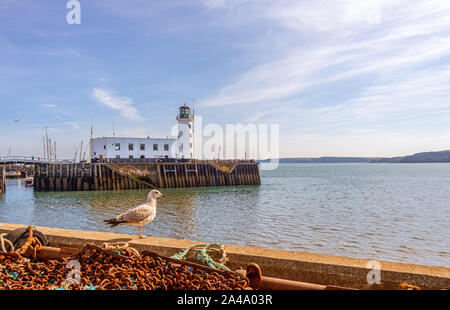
[140, 215]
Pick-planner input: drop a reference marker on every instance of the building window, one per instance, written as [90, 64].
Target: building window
[130, 146]
[180, 134]
[95, 153]
[142, 147]
[155, 147]
[190, 144]
[130, 157]
[142, 156]
[104, 147]
[118, 156]
[184, 112]
[117, 146]
[190, 126]
[181, 148]
[166, 147]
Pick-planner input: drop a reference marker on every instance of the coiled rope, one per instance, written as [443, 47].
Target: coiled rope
[2, 244]
[203, 255]
[120, 247]
[29, 248]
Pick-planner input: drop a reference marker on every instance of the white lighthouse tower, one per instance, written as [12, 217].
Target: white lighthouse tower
[185, 132]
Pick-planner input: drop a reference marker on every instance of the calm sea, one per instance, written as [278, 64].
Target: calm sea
[394, 212]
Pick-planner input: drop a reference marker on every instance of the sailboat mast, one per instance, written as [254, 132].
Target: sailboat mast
[81, 149]
[43, 146]
[91, 140]
[47, 145]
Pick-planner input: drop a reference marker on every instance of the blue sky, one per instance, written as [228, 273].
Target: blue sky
[342, 78]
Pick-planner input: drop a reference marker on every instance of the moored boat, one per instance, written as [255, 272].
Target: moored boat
[13, 174]
[29, 182]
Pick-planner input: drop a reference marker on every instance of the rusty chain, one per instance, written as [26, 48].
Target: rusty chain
[104, 269]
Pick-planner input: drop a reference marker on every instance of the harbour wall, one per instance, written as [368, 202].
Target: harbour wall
[115, 176]
[296, 266]
[194, 174]
[83, 177]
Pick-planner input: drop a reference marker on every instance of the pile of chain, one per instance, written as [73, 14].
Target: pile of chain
[105, 269]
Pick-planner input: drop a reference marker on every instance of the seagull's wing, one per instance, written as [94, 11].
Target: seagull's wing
[137, 214]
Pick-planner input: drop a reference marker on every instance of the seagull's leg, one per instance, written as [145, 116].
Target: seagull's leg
[140, 233]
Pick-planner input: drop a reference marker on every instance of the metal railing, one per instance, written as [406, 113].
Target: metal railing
[166, 160]
[29, 160]
[43, 160]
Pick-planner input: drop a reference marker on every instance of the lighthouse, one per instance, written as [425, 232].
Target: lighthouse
[185, 120]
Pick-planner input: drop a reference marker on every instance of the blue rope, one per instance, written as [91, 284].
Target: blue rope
[203, 255]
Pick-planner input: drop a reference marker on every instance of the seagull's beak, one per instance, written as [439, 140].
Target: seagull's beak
[162, 196]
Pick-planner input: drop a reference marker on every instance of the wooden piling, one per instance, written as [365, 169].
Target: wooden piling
[2, 179]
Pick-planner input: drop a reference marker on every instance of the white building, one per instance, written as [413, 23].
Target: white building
[131, 148]
[116, 147]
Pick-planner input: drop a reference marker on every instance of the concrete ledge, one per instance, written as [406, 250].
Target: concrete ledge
[298, 266]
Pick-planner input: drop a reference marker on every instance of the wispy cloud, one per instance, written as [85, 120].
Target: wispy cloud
[49, 105]
[59, 52]
[335, 72]
[74, 125]
[404, 40]
[332, 79]
[113, 101]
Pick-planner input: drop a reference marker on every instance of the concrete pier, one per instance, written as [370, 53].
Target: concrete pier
[297, 266]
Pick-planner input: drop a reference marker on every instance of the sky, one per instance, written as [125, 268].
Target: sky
[341, 78]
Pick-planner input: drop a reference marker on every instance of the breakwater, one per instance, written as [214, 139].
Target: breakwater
[111, 176]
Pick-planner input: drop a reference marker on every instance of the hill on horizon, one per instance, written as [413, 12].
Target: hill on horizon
[423, 157]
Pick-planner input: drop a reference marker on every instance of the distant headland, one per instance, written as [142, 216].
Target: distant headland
[424, 157]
